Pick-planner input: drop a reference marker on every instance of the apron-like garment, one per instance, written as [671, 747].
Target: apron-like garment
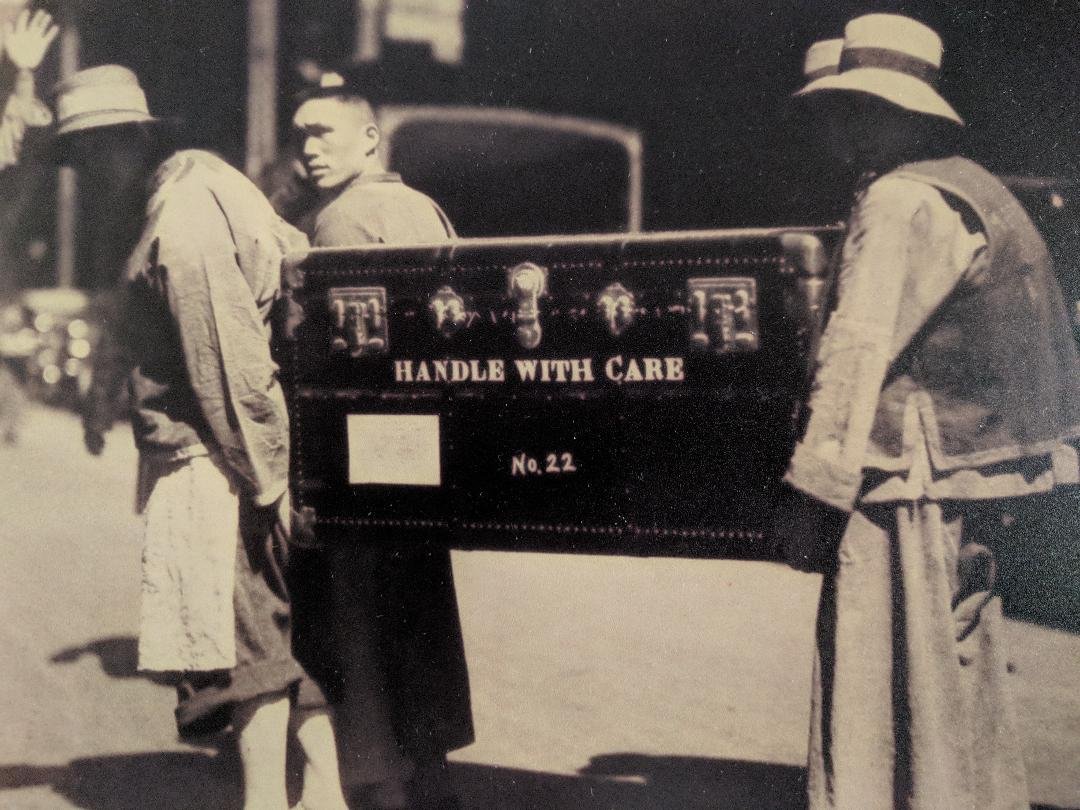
[187, 619]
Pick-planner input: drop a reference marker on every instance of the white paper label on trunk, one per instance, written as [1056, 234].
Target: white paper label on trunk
[401, 449]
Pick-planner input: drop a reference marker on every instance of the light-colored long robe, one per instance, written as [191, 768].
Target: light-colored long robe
[911, 701]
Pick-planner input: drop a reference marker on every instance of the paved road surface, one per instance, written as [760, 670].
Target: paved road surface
[598, 682]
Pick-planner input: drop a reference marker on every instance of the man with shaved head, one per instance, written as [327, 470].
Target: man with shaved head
[364, 203]
[387, 638]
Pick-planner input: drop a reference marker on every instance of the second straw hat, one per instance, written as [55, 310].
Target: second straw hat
[822, 59]
[895, 58]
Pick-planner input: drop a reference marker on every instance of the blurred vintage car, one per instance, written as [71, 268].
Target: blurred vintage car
[505, 172]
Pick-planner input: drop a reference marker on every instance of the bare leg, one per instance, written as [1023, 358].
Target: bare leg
[322, 776]
[262, 725]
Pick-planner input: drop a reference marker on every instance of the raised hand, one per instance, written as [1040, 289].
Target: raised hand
[28, 38]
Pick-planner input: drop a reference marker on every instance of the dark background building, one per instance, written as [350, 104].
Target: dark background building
[706, 82]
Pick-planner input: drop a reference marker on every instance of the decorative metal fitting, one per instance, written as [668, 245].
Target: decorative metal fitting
[725, 314]
[616, 305]
[359, 320]
[447, 310]
[527, 284]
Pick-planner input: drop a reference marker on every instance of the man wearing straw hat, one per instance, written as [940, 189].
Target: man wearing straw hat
[212, 432]
[947, 380]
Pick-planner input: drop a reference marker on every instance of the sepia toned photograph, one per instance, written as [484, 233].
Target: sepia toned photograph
[539, 405]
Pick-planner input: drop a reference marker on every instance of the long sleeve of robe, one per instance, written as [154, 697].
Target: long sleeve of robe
[906, 251]
[208, 271]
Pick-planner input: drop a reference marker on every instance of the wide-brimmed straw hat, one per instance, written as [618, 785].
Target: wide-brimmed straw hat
[109, 95]
[894, 58]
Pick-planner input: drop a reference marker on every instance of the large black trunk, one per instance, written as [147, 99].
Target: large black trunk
[634, 394]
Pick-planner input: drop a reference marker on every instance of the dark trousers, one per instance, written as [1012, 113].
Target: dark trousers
[377, 625]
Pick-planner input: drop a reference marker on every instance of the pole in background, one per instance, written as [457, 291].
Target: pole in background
[262, 86]
[368, 37]
[66, 188]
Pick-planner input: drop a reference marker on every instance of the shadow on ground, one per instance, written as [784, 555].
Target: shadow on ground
[631, 781]
[197, 781]
[118, 656]
[173, 780]
[635, 782]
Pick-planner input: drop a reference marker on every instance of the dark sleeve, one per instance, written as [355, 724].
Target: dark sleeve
[112, 363]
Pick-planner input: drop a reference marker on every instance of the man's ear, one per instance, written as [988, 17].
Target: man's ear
[374, 136]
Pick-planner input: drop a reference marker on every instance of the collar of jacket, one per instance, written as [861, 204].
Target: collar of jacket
[374, 177]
